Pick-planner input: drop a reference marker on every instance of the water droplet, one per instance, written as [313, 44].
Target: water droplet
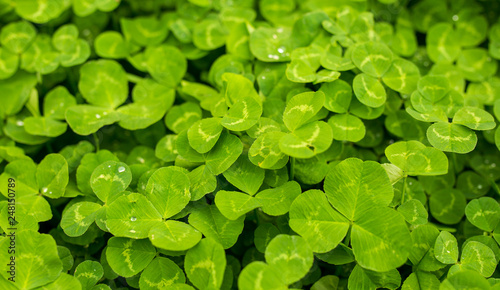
[279, 30]
[109, 166]
[281, 49]
[104, 113]
[121, 169]
[20, 123]
[273, 56]
[133, 218]
[140, 159]
[493, 165]
[97, 116]
[455, 17]
[132, 231]
[480, 186]
[152, 237]
[275, 36]
[44, 190]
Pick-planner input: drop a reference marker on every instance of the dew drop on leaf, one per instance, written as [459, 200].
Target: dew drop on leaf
[133, 218]
[121, 169]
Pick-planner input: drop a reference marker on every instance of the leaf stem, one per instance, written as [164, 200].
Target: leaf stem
[404, 189]
[133, 78]
[96, 141]
[292, 168]
[495, 186]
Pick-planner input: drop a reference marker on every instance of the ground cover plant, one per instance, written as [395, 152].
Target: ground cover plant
[246, 144]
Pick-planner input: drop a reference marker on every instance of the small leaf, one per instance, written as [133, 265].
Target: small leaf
[369, 90]
[160, 274]
[246, 176]
[270, 277]
[347, 127]
[203, 134]
[167, 65]
[402, 76]
[373, 58]
[308, 140]
[446, 248]
[451, 137]
[277, 201]
[477, 256]
[52, 175]
[301, 108]
[43, 126]
[168, 190]
[414, 158]
[484, 213]
[17, 36]
[338, 96]
[291, 255]
[79, 217]
[317, 222]
[85, 119]
[225, 152]
[89, 273]
[474, 118]
[233, 204]
[174, 236]
[128, 257]
[214, 225]
[110, 177]
[447, 205]
[414, 212]
[103, 83]
[205, 264]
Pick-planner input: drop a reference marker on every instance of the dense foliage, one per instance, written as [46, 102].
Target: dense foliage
[246, 144]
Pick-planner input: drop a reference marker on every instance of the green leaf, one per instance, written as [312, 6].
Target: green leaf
[277, 201]
[465, 279]
[65, 38]
[402, 76]
[347, 127]
[9, 63]
[209, 34]
[373, 58]
[447, 205]
[354, 186]
[259, 275]
[242, 115]
[174, 236]
[56, 102]
[131, 216]
[23, 171]
[16, 91]
[43, 126]
[308, 140]
[64, 280]
[214, 225]
[301, 108]
[263, 234]
[110, 44]
[160, 274]
[88, 164]
[380, 239]
[484, 213]
[443, 43]
[180, 118]
[265, 151]
[446, 248]
[369, 90]
[52, 175]
[414, 212]
[110, 177]
[39, 11]
[338, 96]
[246, 176]
[474, 118]
[205, 264]
[451, 137]
[37, 261]
[17, 36]
[476, 256]
[165, 148]
[203, 134]
[362, 278]
[168, 191]
[89, 273]
[128, 257]
[422, 252]
[202, 182]
[317, 222]
[414, 158]
[145, 31]
[167, 65]
[434, 88]
[476, 64]
[79, 217]
[233, 204]
[103, 83]
[270, 44]
[421, 280]
[225, 152]
[291, 255]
